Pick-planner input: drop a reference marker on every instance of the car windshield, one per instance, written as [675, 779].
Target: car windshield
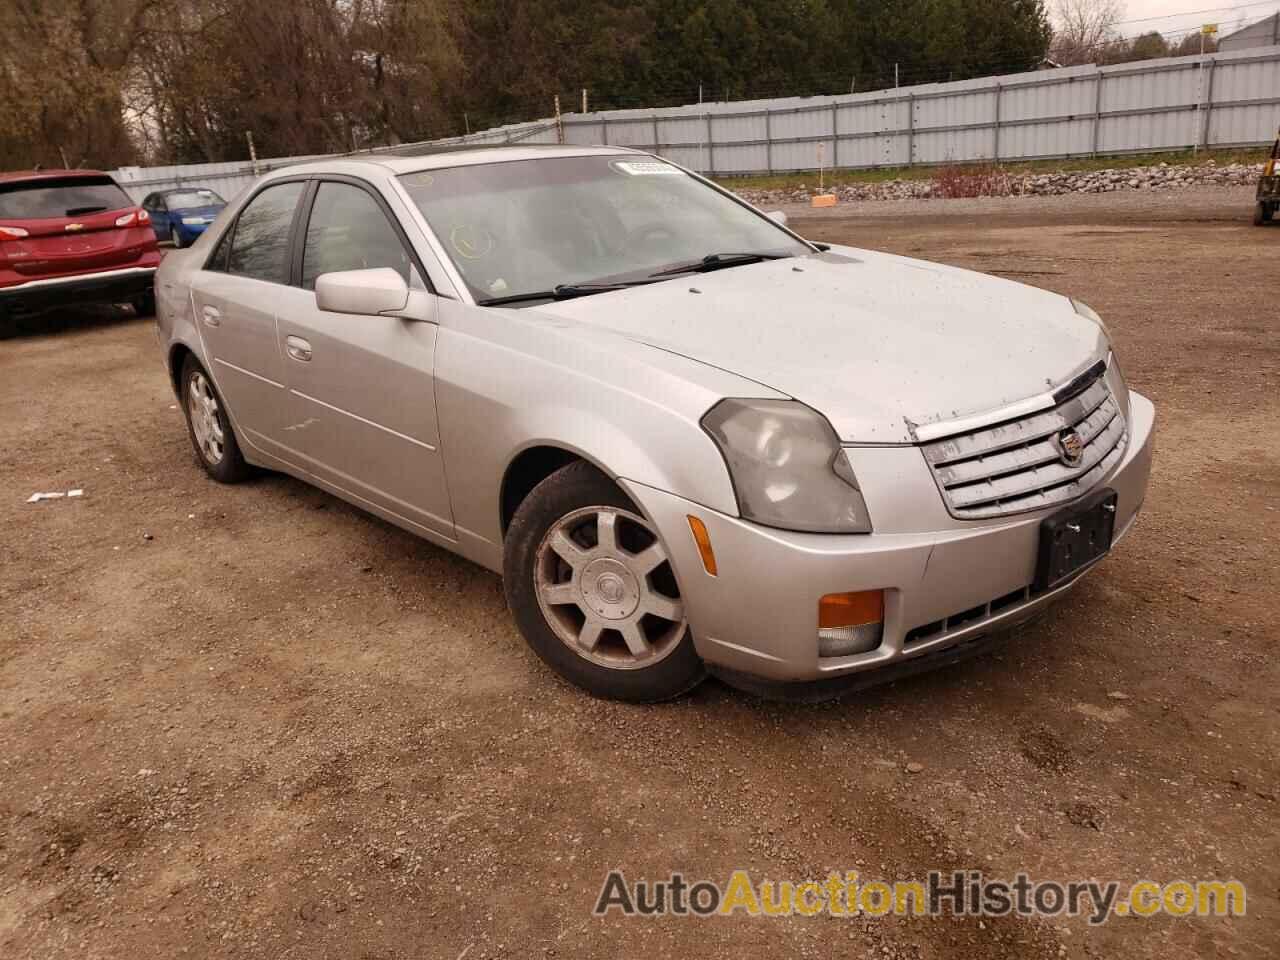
[53, 198]
[189, 199]
[521, 227]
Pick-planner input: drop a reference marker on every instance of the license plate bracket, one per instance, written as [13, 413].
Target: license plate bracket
[1075, 538]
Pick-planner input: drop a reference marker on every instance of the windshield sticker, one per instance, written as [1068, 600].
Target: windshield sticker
[647, 168]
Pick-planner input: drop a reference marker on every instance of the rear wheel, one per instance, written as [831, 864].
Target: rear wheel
[210, 429]
[1262, 213]
[593, 591]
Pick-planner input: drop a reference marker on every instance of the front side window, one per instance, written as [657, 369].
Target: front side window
[349, 231]
[530, 225]
[260, 244]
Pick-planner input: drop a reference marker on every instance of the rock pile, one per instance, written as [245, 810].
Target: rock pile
[1163, 176]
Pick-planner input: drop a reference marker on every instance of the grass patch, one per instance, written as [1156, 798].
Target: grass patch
[805, 179]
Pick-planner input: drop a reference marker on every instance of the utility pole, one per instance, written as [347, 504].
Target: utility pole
[559, 122]
[253, 154]
[1206, 89]
[699, 91]
[895, 76]
[584, 99]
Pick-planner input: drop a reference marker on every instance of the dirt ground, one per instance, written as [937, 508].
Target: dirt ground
[254, 722]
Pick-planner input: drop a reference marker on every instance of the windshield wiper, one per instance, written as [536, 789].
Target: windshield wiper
[718, 261]
[564, 291]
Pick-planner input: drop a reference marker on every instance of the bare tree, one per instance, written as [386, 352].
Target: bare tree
[1083, 28]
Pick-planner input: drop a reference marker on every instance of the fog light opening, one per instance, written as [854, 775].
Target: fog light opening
[850, 623]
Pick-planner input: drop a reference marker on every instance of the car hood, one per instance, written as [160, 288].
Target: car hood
[879, 344]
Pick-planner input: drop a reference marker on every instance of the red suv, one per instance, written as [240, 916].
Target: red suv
[72, 236]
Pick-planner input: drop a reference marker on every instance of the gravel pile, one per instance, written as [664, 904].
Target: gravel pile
[999, 182]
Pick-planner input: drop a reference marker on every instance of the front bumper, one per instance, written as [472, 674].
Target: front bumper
[946, 581]
[189, 232]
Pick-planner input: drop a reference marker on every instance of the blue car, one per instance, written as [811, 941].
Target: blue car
[182, 215]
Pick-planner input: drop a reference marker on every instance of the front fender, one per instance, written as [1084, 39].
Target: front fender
[508, 380]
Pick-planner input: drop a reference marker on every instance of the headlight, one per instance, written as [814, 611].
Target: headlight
[1089, 313]
[1115, 379]
[787, 466]
[193, 221]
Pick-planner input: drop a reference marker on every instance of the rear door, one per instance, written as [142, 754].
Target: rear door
[73, 225]
[362, 388]
[235, 299]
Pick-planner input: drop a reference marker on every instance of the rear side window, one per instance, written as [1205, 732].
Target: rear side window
[260, 243]
[220, 256]
[349, 231]
[60, 197]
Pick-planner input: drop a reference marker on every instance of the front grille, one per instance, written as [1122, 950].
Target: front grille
[1018, 465]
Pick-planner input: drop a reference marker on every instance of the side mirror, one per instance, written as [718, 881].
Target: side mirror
[374, 293]
[777, 216]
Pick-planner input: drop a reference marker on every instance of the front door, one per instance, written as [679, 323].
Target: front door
[236, 297]
[362, 393]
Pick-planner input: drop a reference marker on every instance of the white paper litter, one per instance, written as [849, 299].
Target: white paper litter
[55, 495]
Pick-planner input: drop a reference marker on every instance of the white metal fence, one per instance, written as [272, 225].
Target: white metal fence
[1222, 100]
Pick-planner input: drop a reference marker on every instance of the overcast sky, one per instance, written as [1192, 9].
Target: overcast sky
[1179, 15]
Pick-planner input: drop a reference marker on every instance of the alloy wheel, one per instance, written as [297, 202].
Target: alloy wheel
[202, 410]
[606, 588]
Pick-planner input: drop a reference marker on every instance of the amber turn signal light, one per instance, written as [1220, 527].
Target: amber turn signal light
[851, 609]
[703, 540]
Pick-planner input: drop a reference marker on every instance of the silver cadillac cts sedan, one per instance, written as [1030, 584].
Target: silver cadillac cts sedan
[688, 439]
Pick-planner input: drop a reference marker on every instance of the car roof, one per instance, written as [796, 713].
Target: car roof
[413, 159]
[15, 175]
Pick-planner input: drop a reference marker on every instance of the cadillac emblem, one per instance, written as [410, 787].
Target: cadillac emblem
[1070, 447]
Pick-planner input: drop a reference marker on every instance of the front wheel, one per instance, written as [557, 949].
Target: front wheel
[1262, 213]
[593, 591]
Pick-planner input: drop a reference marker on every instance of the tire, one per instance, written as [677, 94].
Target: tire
[605, 598]
[176, 236]
[144, 305]
[223, 461]
[1260, 214]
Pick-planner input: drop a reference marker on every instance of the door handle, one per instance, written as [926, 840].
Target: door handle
[298, 348]
[212, 315]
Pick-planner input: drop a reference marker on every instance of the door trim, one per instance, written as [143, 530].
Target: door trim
[347, 413]
[247, 373]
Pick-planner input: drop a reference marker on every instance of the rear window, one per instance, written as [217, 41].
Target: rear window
[67, 197]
